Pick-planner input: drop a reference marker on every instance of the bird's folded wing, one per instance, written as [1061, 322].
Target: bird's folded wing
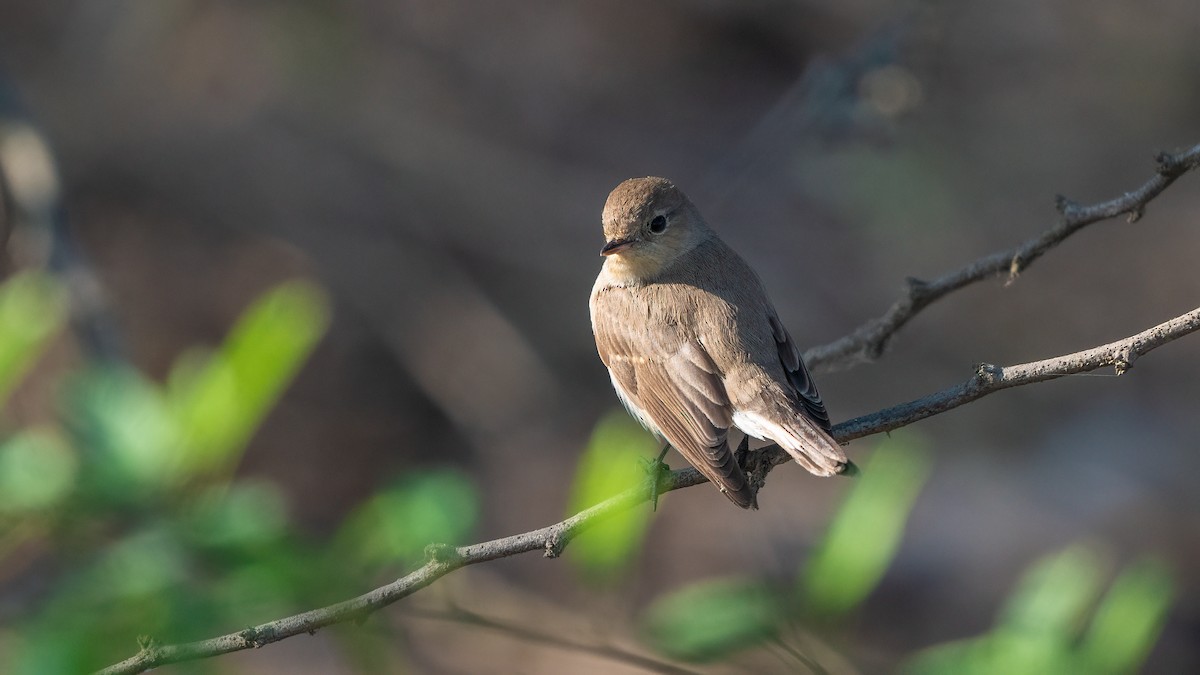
[686, 399]
[797, 374]
[675, 383]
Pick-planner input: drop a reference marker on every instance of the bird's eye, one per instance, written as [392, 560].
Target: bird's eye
[658, 224]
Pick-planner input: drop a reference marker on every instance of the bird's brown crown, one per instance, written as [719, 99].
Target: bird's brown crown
[634, 202]
[648, 223]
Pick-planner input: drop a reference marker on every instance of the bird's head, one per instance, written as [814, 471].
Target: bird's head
[648, 223]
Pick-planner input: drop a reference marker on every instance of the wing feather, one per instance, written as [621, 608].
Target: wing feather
[797, 375]
[675, 386]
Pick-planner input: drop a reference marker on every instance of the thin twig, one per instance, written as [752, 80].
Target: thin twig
[467, 617]
[443, 559]
[800, 657]
[869, 340]
[1120, 355]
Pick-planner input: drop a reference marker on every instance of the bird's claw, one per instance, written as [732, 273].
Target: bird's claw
[654, 470]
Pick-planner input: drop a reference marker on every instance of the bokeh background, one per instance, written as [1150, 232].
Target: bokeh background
[439, 169]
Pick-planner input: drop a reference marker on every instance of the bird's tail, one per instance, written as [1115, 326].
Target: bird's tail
[808, 444]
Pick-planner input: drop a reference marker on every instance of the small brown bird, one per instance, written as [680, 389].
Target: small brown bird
[694, 345]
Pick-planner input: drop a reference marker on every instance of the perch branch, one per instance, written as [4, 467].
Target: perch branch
[869, 340]
[551, 540]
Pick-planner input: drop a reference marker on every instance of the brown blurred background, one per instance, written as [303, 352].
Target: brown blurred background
[440, 166]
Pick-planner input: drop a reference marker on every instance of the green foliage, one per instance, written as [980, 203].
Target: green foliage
[1040, 627]
[712, 619]
[37, 471]
[235, 516]
[123, 420]
[1129, 619]
[862, 540]
[1053, 596]
[151, 439]
[130, 505]
[613, 462]
[387, 535]
[129, 584]
[218, 401]
[32, 311]
[1043, 628]
[395, 526]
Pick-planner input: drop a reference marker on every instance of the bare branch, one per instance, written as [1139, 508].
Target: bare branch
[988, 378]
[869, 340]
[469, 618]
[551, 540]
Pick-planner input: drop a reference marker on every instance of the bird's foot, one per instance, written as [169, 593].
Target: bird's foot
[655, 468]
[754, 464]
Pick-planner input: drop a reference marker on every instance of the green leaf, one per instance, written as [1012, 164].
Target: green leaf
[219, 401]
[613, 462]
[1053, 597]
[961, 657]
[1129, 619]
[242, 515]
[33, 309]
[123, 418]
[865, 533]
[37, 470]
[144, 564]
[139, 582]
[994, 652]
[395, 525]
[713, 619]
[1036, 630]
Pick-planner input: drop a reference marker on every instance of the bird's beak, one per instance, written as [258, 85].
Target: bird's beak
[616, 246]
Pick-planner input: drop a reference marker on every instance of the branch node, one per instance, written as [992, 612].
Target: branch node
[1067, 207]
[1170, 165]
[1173, 165]
[918, 289]
[146, 643]
[1165, 161]
[554, 546]
[1014, 270]
[1136, 213]
[441, 553]
[874, 348]
[252, 637]
[987, 373]
[1123, 360]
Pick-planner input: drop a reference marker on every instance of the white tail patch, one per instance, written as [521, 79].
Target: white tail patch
[808, 445]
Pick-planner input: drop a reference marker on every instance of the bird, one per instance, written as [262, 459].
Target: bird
[694, 346]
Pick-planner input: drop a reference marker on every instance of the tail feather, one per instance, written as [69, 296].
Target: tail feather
[809, 445]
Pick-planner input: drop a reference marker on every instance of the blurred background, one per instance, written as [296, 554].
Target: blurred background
[379, 222]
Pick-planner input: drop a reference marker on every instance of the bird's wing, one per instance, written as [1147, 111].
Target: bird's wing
[797, 375]
[673, 381]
